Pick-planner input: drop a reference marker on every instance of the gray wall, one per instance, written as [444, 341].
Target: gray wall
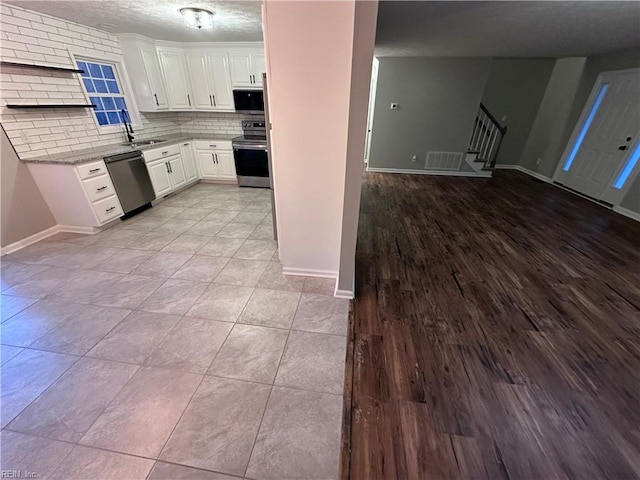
[631, 200]
[547, 139]
[24, 211]
[438, 100]
[567, 96]
[515, 88]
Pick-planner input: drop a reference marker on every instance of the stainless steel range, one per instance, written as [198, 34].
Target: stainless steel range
[251, 154]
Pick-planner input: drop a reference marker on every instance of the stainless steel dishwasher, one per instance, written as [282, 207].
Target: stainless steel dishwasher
[131, 180]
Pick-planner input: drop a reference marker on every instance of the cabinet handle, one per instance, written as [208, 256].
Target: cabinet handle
[189, 99]
[170, 167]
[156, 97]
[214, 100]
[210, 101]
[94, 170]
[213, 146]
[213, 157]
[185, 144]
[165, 152]
[216, 158]
[166, 164]
[102, 188]
[109, 209]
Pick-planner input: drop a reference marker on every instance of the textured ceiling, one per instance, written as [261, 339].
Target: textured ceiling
[509, 29]
[233, 21]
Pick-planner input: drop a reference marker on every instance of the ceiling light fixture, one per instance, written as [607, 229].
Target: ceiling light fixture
[197, 18]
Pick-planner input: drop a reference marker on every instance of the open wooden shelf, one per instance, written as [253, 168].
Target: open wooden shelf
[41, 67]
[80, 105]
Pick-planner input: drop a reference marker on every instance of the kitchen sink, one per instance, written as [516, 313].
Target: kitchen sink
[142, 143]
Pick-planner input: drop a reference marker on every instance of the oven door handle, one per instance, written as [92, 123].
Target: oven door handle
[260, 146]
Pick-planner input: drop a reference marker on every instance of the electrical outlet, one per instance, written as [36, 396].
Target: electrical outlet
[538, 161]
[414, 158]
[67, 133]
[394, 106]
[504, 118]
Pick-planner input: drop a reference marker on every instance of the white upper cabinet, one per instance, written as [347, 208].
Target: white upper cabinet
[219, 74]
[190, 76]
[241, 70]
[210, 82]
[176, 78]
[143, 68]
[154, 76]
[259, 67]
[247, 68]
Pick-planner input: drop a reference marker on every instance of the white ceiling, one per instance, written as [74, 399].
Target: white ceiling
[160, 19]
[506, 28]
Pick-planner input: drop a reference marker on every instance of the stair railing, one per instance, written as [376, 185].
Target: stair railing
[486, 137]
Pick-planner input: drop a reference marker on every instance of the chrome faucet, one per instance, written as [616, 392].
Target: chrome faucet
[127, 125]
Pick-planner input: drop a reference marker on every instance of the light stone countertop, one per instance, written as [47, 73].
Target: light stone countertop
[95, 154]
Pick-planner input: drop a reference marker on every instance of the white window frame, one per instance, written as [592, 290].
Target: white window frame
[117, 63]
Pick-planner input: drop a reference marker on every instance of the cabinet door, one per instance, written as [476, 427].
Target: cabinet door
[175, 75]
[207, 163]
[159, 173]
[154, 77]
[221, 81]
[259, 67]
[240, 64]
[190, 169]
[200, 82]
[226, 164]
[176, 171]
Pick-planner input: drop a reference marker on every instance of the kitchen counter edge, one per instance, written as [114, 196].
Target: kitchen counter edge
[96, 154]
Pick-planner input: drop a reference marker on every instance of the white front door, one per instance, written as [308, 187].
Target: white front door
[603, 138]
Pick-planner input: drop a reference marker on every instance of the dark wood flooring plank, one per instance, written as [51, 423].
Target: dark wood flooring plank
[495, 333]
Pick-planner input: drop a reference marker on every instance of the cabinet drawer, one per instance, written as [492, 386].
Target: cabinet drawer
[92, 169]
[107, 209]
[212, 145]
[158, 153]
[99, 187]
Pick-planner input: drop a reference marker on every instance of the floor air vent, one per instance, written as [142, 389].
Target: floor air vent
[443, 160]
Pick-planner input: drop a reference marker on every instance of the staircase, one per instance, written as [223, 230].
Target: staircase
[485, 142]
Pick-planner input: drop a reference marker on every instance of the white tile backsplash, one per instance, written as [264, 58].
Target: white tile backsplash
[31, 37]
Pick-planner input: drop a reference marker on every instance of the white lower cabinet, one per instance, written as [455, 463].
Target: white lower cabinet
[81, 197]
[189, 162]
[171, 167]
[215, 160]
[159, 173]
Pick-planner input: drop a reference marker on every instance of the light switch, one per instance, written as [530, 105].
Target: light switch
[394, 106]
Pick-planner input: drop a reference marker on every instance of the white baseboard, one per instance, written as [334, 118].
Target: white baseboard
[343, 294]
[306, 272]
[83, 230]
[520, 168]
[222, 182]
[30, 240]
[627, 213]
[49, 232]
[450, 173]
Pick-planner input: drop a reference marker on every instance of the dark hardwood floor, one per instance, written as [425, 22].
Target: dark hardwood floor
[495, 333]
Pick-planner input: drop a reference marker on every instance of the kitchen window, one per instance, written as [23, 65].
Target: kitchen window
[104, 89]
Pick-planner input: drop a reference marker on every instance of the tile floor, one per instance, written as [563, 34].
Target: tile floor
[171, 346]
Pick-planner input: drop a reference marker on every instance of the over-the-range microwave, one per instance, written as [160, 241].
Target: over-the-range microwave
[249, 101]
